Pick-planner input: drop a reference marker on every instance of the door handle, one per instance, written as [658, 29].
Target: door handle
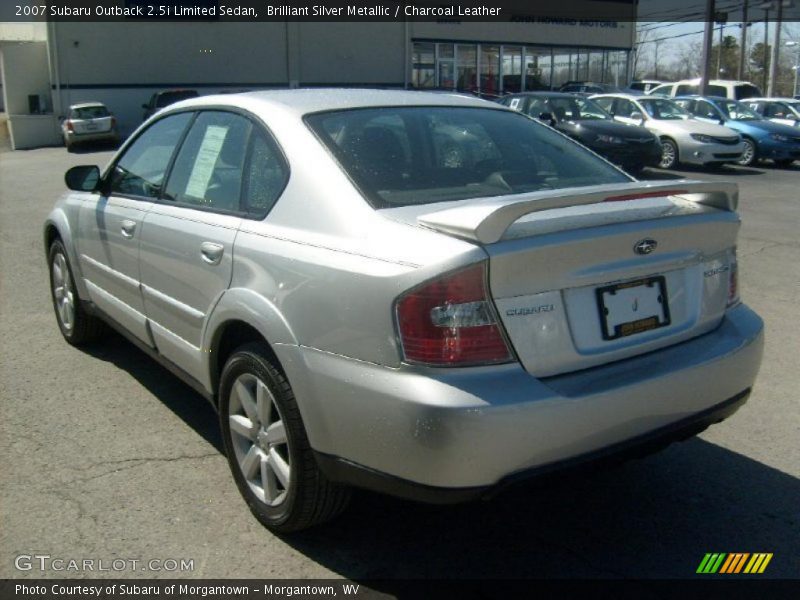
[128, 227]
[211, 252]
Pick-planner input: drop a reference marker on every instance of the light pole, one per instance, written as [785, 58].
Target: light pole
[773, 63]
[796, 66]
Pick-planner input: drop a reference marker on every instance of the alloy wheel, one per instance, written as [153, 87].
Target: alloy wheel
[63, 292]
[259, 440]
[668, 155]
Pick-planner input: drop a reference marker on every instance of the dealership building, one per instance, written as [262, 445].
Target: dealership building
[47, 66]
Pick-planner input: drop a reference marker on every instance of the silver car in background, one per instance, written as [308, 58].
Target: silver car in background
[684, 139]
[422, 294]
[89, 122]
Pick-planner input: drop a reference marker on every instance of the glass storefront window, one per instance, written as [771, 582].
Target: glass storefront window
[467, 67]
[494, 70]
[445, 67]
[512, 69]
[423, 62]
[490, 70]
[538, 63]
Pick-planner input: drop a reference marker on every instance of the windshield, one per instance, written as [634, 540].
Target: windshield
[738, 111]
[418, 155]
[89, 112]
[663, 109]
[569, 109]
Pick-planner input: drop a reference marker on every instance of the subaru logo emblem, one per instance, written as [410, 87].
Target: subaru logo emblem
[645, 246]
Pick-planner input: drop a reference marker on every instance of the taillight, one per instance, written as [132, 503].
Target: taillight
[113, 122]
[450, 321]
[70, 127]
[733, 282]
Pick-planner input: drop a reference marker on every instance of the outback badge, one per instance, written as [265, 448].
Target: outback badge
[645, 246]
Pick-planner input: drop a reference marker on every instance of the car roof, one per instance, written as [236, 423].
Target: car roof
[301, 102]
[773, 99]
[86, 105]
[545, 94]
[619, 95]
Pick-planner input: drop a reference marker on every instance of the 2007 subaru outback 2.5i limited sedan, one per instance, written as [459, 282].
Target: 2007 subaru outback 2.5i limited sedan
[424, 294]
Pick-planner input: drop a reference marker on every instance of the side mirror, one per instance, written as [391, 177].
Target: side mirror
[547, 118]
[637, 116]
[83, 178]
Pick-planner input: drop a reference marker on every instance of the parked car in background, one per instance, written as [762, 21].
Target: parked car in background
[164, 98]
[587, 88]
[392, 319]
[780, 110]
[644, 85]
[761, 138]
[88, 122]
[684, 139]
[724, 88]
[628, 146]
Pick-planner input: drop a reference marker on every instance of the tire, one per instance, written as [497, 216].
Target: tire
[749, 155]
[77, 326]
[784, 163]
[669, 154]
[268, 451]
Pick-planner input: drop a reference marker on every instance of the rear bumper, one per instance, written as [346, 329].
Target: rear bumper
[94, 136]
[470, 429]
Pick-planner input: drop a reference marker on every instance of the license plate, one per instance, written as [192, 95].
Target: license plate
[91, 126]
[633, 307]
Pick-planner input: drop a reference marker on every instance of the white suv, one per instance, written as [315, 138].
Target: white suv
[733, 90]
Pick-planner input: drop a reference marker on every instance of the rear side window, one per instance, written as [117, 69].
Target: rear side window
[265, 175]
[717, 90]
[746, 90]
[418, 155]
[141, 169]
[686, 90]
[209, 167]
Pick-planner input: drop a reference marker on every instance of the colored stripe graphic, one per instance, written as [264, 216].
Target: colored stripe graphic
[711, 562]
[758, 563]
[733, 563]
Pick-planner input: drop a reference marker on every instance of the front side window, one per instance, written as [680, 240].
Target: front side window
[663, 109]
[605, 103]
[418, 155]
[141, 169]
[577, 109]
[706, 110]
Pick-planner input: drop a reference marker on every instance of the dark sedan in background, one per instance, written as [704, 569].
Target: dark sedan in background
[628, 146]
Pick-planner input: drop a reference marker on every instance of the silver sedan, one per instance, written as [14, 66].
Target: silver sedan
[684, 139]
[423, 294]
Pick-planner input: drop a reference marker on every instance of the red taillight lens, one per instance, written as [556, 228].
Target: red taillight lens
[450, 321]
[70, 127]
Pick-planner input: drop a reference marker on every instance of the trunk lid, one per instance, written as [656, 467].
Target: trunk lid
[98, 125]
[585, 276]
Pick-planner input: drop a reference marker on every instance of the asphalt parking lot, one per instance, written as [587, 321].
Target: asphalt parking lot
[107, 456]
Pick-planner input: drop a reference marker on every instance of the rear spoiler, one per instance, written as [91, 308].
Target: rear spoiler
[486, 221]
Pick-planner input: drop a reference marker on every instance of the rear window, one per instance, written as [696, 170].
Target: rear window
[89, 112]
[419, 155]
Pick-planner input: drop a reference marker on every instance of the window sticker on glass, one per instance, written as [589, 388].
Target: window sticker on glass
[207, 157]
[514, 103]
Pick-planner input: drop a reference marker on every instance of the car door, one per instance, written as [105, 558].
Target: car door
[110, 225]
[186, 253]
